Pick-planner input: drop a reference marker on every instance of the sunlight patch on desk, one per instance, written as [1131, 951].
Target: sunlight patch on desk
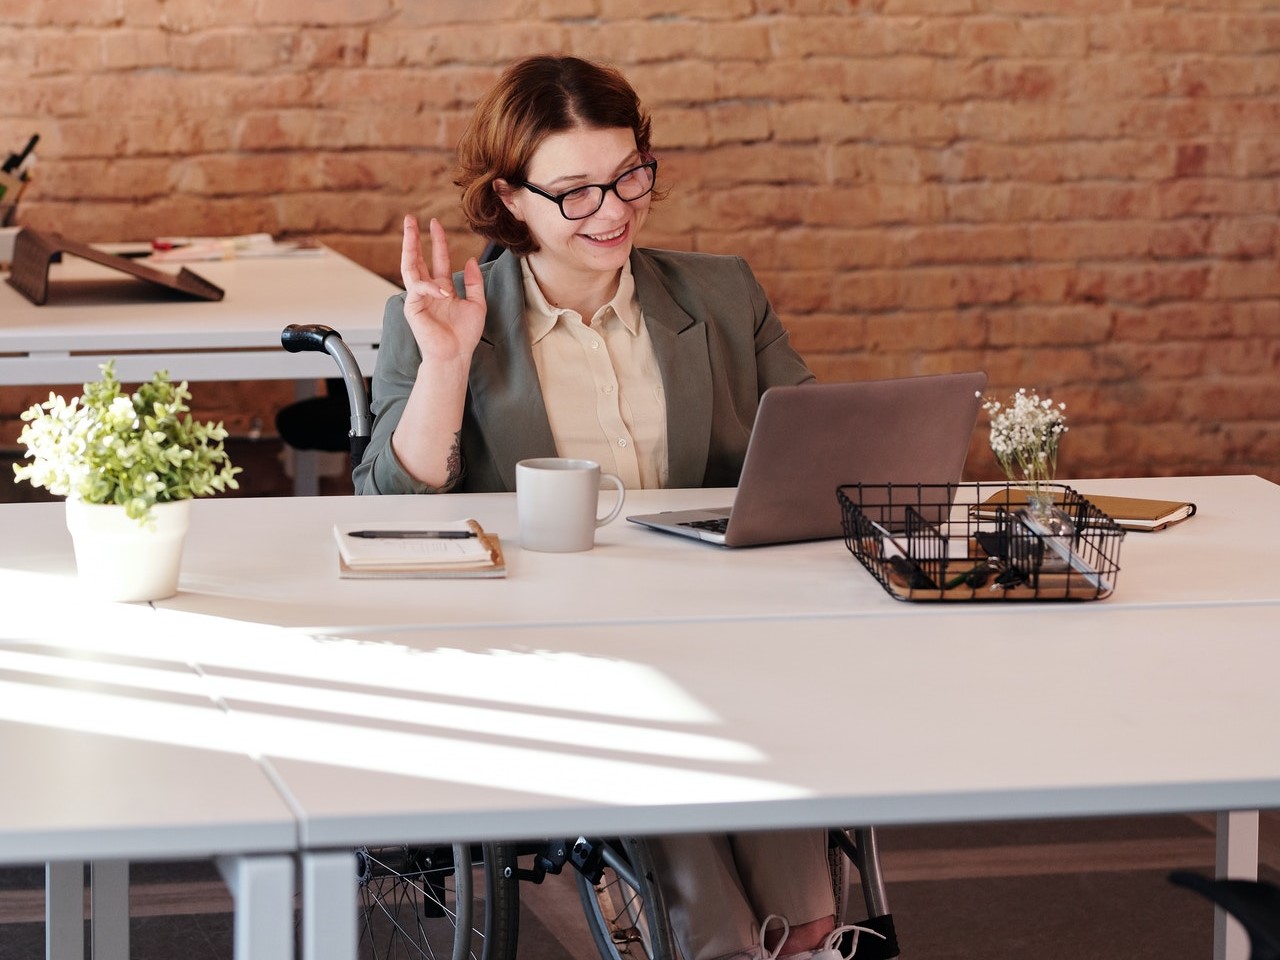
[110, 715]
[180, 679]
[512, 721]
[528, 768]
[603, 686]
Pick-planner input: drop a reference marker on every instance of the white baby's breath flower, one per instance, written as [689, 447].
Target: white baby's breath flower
[1025, 434]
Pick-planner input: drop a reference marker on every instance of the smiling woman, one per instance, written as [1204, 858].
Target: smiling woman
[577, 343]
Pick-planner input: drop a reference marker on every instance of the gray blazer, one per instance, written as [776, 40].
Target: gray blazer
[719, 346]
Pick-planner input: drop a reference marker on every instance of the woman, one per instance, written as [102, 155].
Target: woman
[574, 342]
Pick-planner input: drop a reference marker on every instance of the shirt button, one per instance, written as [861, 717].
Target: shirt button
[609, 388]
[622, 442]
[595, 344]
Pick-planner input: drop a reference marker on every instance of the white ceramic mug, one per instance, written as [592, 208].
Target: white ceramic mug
[557, 499]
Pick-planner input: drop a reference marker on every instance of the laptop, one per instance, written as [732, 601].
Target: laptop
[809, 439]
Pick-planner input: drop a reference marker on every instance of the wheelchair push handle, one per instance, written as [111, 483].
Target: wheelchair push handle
[304, 337]
[300, 337]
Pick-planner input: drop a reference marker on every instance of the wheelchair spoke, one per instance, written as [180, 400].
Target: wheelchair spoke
[420, 904]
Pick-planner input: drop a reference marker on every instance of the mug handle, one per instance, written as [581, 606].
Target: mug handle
[622, 495]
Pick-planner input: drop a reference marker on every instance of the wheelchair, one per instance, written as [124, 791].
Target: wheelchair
[463, 900]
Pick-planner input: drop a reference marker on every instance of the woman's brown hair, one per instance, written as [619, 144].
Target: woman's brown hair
[533, 99]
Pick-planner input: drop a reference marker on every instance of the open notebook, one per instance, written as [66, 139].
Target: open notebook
[809, 439]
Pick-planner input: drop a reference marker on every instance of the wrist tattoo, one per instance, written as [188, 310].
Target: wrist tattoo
[454, 463]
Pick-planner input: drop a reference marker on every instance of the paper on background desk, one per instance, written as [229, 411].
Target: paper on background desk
[192, 249]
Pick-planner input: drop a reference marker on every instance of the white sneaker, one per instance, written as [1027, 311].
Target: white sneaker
[786, 929]
[830, 949]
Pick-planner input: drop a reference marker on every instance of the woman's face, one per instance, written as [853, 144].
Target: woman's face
[600, 243]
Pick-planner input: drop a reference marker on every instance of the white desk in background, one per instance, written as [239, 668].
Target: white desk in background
[97, 313]
[114, 750]
[103, 313]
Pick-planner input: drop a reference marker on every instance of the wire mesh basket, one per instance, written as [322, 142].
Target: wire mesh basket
[981, 541]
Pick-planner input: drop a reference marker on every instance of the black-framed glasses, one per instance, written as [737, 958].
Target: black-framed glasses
[581, 202]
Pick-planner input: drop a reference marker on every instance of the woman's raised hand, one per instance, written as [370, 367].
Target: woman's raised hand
[446, 327]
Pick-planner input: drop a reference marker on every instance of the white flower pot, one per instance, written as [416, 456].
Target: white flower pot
[121, 559]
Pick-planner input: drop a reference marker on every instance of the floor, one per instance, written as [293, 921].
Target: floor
[1049, 890]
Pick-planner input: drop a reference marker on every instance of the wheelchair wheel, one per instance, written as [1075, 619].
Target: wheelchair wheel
[459, 902]
[625, 910]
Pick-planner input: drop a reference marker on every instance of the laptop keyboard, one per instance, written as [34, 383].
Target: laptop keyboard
[718, 525]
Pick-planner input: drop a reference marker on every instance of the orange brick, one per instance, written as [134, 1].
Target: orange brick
[784, 80]
[894, 78]
[693, 9]
[1254, 318]
[69, 13]
[737, 123]
[1173, 321]
[1180, 240]
[825, 333]
[330, 12]
[60, 52]
[1003, 36]
[962, 244]
[1244, 280]
[1058, 327]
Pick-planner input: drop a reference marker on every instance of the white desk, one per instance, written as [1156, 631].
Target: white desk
[690, 626]
[101, 313]
[114, 750]
[273, 562]
[510, 732]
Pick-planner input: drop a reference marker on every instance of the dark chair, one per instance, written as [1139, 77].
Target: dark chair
[1255, 903]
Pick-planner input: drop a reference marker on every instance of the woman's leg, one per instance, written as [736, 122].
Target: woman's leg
[786, 872]
[709, 912]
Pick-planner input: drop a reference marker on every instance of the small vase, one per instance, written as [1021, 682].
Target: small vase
[1052, 523]
[118, 558]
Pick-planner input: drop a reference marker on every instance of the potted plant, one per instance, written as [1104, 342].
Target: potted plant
[129, 466]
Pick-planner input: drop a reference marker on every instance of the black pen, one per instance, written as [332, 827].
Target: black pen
[411, 534]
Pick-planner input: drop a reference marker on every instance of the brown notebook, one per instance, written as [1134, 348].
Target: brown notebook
[1131, 513]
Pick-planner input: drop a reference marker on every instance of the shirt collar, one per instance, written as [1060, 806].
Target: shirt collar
[541, 316]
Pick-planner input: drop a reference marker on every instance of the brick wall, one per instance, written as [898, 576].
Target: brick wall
[1076, 195]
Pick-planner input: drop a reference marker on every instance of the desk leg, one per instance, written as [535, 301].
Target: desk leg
[109, 908]
[328, 906]
[1237, 859]
[64, 911]
[306, 463]
[262, 888]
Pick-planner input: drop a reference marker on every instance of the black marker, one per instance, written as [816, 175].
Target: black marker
[15, 159]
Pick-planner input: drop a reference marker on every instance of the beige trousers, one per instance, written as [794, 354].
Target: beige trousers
[719, 888]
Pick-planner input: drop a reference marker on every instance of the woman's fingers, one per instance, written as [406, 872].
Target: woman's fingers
[412, 267]
[473, 281]
[440, 265]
